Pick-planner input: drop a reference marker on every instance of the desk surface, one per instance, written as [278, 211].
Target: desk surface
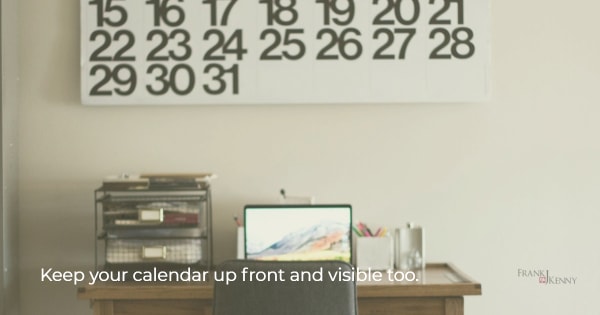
[437, 280]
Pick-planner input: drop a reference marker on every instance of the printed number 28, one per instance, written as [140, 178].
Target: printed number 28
[461, 48]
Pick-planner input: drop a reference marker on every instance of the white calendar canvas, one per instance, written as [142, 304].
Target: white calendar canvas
[167, 52]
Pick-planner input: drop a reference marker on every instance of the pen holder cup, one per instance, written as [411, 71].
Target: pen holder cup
[375, 253]
[409, 248]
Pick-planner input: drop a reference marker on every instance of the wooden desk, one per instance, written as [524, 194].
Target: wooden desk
[439, 291]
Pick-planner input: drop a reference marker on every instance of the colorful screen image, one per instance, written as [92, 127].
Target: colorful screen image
[298, 232]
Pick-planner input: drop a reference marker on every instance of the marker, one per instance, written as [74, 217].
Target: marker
[383, 232]
[378, 232]
[358, 232]
[364, 229]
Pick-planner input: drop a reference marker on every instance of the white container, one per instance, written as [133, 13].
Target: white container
[409, 248]
[375, 253]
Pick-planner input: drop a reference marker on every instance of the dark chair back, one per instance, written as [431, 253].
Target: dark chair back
[320, 296]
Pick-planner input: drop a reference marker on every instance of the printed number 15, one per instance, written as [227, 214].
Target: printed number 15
[103, 7]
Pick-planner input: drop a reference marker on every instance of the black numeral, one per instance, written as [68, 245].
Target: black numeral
[105, 44]
[108, 8]
[436, 18]
[183, 43]
[171, 15]
[129, 80]
[455, 48]
[342, 44]
[170, 80]
[214, 13]
[278, 11]
[269, 54]
[344, 14]
[233, 45]
[398, 9]
[218, 78]
[105, 79]
[106, 41]
[389, 41]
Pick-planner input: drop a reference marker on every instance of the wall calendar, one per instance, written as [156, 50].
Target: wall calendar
[165, 52]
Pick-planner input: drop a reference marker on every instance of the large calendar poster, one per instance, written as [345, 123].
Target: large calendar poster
[284, 51]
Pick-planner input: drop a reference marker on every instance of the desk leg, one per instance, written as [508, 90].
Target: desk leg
[103, 307]
[454, 306]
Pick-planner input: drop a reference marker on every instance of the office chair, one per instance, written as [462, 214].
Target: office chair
[287, 297]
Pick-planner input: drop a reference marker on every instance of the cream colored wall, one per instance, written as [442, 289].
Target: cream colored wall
[508, 184]
[9, 267]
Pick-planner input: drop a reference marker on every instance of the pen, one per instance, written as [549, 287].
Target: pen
[364, 229]
[383, 232]
[378, 232]
[237, 221]
[357, 231]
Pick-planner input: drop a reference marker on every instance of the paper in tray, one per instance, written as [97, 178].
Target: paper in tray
[178, 181]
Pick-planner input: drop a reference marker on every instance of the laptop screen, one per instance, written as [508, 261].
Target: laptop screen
[298, 232]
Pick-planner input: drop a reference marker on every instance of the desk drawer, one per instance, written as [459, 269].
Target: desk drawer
[180, 251]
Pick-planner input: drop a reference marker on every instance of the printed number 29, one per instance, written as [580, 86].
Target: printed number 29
[121, 74]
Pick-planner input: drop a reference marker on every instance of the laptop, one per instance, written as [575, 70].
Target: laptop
[288, 232]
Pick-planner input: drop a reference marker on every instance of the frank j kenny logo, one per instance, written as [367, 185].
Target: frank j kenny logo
[545, 277]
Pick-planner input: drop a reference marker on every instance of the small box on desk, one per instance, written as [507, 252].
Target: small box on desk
[375, 253]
